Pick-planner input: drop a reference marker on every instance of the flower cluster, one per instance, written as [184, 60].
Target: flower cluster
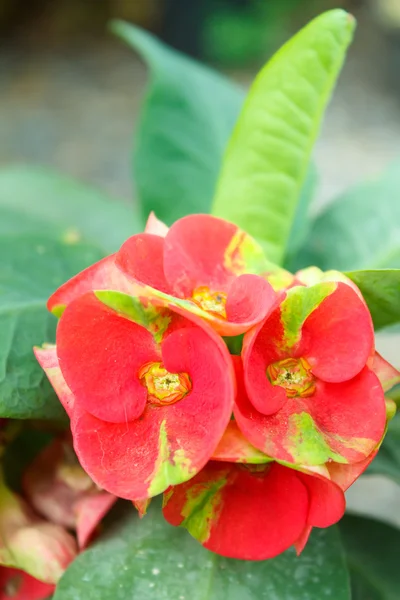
[251, 449]
[57, 498]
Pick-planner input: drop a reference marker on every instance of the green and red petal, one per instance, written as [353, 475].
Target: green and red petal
[136, 458]
[103, 275]
[251, 512]
[327, 324]
[342, 422]
[234, 447]
[202, 250]
[387, 374]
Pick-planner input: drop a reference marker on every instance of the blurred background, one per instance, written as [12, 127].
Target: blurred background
[70, 93]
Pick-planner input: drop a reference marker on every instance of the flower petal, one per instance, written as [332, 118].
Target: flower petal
[327, 501]
[342, 422]
[155, 226]
[234, 447]
[42, 549]
[58, 488]
[168, 444]
[202, 250]
[250, 299]
[345, 475]
[141, 258]
[90, 510]
[246, 512]
[338, 336]
[100, 353]
[388, 375]
[48, 360]
[17, 585]
[103, 275]
[261, 348]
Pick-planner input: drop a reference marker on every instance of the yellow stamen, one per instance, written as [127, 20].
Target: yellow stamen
[163, 388]
[294, 375]
[211, 302]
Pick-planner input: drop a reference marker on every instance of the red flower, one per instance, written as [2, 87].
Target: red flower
[149, 392]
[202, 264]
[309, 395]
[252, 512]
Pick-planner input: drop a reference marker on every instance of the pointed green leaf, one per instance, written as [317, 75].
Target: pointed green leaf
[372, 554]
[359, 230]
[188, 115]
[381, 291]
[31, 268]
[151, 560]
[266, 159]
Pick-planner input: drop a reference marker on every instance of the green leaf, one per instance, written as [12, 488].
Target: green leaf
[381, 291]
[372, 553]
[151, 560]
[267, 157]
[387, 461]
[31, 268]
[359, 230]
[184, 125]
[302, 223]
[34, 200]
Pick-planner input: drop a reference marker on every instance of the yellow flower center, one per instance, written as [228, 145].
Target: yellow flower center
[163, 388]
[293, 374]
[211, 302]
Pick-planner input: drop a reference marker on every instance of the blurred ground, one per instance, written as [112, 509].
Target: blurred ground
[74, 109]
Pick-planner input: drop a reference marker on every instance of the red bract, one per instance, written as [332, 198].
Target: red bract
[252, 512]
[309, 396]
[17, 585]
[149, 392]
[58, 488]
[202, 264]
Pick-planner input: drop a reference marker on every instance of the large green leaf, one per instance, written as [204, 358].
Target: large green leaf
[381, 291]
[387, 462]
[372, 550]
[302, 223]
[266, 160]
[35, 200]
[359, 230]
[184, 125]
[31, 268]
[151, 560]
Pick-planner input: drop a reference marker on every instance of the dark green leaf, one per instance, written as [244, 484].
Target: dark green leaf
[359, 230]
[31, 268]
[267, 157]
[151, 560]
[21, 452]
[381, 291]
[372, 553]
[387, 462]
[34, 200]
[185, 123]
